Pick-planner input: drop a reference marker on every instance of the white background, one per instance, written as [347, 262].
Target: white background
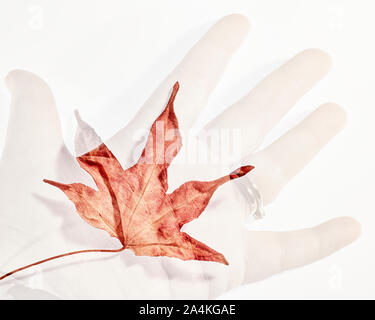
[106, 57]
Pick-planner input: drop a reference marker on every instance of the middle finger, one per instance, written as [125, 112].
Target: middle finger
[260, 110]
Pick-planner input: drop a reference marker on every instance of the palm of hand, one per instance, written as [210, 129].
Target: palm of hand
[32, 212]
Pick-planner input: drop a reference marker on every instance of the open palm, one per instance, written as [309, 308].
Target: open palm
[37, 221]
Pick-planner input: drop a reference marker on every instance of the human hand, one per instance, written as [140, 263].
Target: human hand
[37, 220]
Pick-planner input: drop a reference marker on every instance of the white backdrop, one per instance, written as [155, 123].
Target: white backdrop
[97, 54]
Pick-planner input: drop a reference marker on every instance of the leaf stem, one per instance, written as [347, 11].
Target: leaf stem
[60, 256]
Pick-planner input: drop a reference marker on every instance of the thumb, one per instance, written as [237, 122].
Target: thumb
[34, 133]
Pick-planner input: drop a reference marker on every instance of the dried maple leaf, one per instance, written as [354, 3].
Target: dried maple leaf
[133, 205]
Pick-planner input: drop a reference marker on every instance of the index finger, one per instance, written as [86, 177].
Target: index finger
[198, 75]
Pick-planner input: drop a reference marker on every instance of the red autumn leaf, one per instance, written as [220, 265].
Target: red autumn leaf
[133, 205]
